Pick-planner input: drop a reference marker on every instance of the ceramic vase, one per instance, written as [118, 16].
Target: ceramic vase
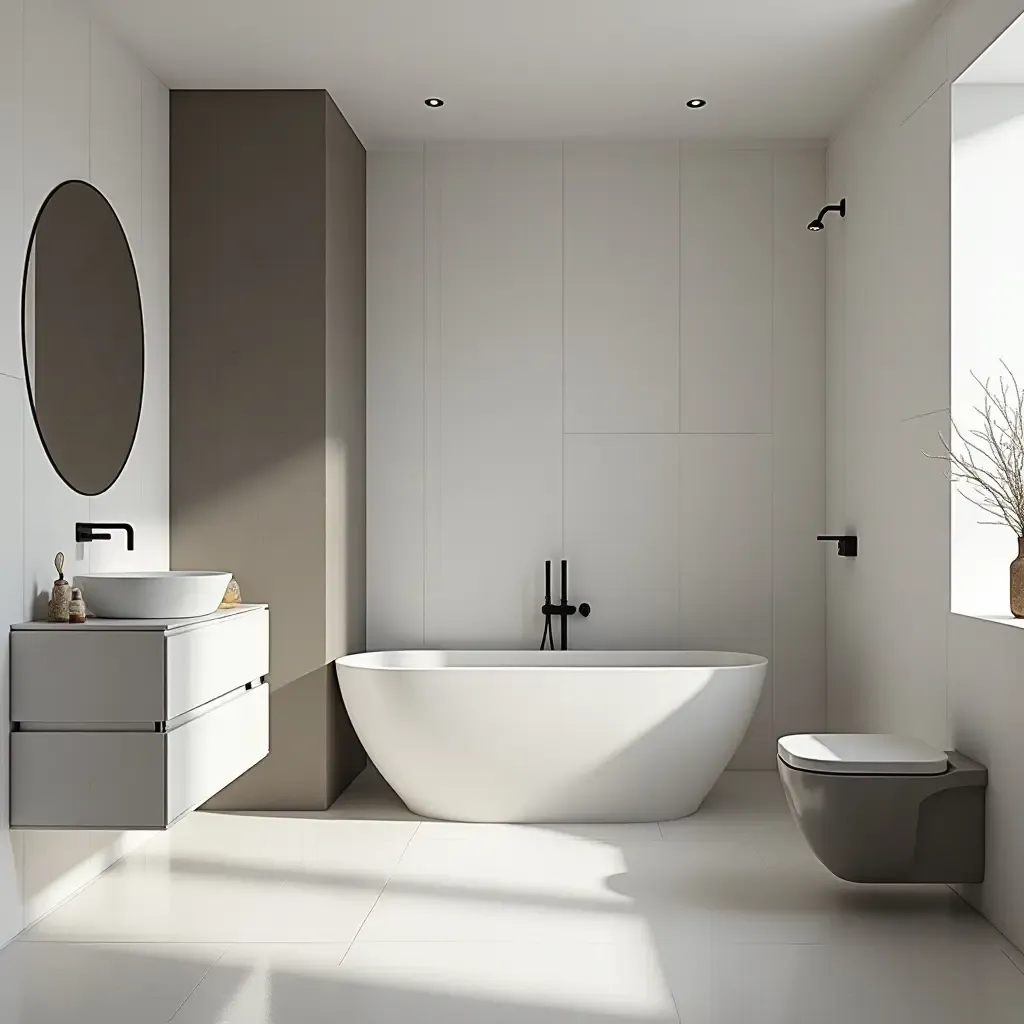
[1017, 582]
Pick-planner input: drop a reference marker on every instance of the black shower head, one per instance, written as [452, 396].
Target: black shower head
[818, 224]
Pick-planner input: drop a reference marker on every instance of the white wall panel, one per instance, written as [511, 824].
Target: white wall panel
[671, 537]
[986, 703]
[798, 447]
[115, 147]
[11, 202]
[726, 291]
[133, 165]
[395, 389]
[898, 661]
[152, 467]
[56, 99]
[726, 559]
[621, 288]
[56, 147]
[921, 222]
[11, 609]
[622, 540]
[498, 359]
[115, 130]
[73, 104]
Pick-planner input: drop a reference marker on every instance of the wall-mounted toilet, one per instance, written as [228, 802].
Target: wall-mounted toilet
[878, 808]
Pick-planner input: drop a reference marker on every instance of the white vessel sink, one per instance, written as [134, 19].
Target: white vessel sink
[179, 594]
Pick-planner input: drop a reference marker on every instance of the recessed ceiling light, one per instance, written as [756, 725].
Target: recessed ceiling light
[696, 103]
[433, 101]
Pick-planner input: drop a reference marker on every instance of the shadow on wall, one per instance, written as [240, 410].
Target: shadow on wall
[53, 865]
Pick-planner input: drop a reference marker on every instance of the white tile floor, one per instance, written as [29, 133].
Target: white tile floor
[366, 914]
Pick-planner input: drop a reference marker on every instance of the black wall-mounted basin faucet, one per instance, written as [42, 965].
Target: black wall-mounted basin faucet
[85, 533]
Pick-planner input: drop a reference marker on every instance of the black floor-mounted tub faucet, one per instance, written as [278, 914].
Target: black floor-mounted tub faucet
[562, 610]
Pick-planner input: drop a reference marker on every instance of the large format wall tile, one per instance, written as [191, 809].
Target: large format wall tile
[116, 156]
[687, 523]
[71, 106]
[11, 610]
[725, 290]
[56, 147]
[115, 131]
[986, 705]
[798, 448]
[56, 99]
[11, 211]
[52, 511]
[154, 278]
[622, 539]
[621, 288]
[394, 399]
[494, 357]
[725, 576]
[921, 240]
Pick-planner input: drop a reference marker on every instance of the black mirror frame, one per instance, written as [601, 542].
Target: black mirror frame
[24, 339]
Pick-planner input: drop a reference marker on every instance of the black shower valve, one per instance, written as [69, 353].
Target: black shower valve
[847, 545]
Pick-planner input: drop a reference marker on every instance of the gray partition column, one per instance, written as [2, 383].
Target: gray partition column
[268, 385]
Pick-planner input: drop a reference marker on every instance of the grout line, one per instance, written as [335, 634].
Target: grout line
[391, 874]
[937, 88]
[209, 970]
[562, 214]
[668, 433]
[972, 909]
[679, 288]
[772, 677]
[89, 108]
[923, 415]
[1013, 961]
[678, 519]
[423, 341]
[12, 376]
[25, 603]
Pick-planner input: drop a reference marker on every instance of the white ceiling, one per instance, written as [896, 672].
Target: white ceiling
[1002, 62]
[537, 68]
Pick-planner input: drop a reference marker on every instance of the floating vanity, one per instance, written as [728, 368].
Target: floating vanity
[131, 723]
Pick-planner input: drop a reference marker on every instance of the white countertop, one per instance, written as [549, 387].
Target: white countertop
[161, 625]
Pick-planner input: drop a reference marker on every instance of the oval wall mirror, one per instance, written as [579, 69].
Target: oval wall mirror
[82, 337]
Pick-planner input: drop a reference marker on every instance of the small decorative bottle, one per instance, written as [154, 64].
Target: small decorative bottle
[60, 599]
[76, 609]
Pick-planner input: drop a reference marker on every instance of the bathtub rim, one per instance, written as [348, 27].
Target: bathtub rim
[559, 661]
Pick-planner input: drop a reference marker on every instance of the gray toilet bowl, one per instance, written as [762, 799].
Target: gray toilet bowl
[893, 828]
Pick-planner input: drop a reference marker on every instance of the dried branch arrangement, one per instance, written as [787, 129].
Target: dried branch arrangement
[991, 463]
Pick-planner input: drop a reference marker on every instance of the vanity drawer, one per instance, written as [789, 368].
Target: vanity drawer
[202, 664]
[100, 674]
[136, 780]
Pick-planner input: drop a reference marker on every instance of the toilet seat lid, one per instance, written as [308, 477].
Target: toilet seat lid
[862, 754]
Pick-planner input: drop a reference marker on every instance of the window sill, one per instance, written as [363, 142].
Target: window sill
[1001, 620]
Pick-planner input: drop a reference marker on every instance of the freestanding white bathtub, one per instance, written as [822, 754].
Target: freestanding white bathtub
[531, 736]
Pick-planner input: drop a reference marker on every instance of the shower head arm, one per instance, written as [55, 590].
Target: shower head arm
[839, 208]
[819, 222]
